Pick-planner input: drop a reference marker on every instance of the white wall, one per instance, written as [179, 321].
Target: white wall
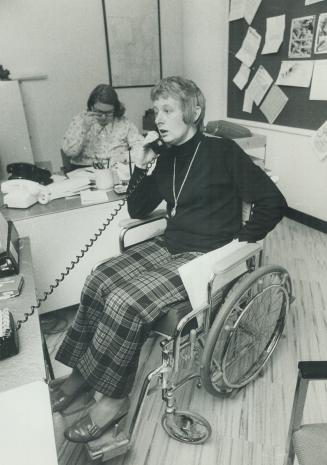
[205, 41]
[65, 40]
[302, 176]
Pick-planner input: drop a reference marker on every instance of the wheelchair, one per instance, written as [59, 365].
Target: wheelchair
[224, 345]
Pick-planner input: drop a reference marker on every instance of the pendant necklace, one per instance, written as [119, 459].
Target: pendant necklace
[176, 197]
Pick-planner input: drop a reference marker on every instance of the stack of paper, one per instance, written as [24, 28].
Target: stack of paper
[65, 188]
[88, 172]
[88, 197]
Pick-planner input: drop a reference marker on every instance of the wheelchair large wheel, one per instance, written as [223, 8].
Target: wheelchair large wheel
[246, 330]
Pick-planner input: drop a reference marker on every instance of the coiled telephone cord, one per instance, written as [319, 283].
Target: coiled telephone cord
[83, 251]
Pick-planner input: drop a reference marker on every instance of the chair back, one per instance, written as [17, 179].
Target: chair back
[306, 442]
[227, 129]
[66, 165]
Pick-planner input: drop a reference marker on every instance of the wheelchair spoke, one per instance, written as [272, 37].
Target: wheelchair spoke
[248, 328]
[217, 376]
[249, 344]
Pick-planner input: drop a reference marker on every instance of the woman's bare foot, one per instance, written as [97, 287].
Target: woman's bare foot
[106, 408]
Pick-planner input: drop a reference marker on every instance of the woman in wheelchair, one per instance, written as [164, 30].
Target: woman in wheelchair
[204, 180]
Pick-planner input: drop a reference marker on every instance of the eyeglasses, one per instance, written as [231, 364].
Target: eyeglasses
[103, 113]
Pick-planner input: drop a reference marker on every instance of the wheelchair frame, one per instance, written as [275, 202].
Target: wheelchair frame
[187, 426]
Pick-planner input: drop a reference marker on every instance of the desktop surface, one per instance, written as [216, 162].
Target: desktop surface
[55, 206]
[28, 365]
[26, 430]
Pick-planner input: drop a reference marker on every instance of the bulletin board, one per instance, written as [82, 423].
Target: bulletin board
[299, 111]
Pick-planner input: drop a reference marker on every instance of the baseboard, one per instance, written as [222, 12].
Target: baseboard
[308, 220]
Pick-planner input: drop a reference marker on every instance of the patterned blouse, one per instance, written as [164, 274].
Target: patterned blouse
[110, 142]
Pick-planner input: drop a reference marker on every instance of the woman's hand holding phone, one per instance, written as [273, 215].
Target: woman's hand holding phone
[143, 157]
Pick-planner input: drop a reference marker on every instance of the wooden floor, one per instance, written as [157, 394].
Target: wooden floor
[250, 429]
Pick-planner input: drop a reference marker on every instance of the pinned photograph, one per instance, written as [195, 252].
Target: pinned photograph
[301, 37]
[295, 73]
[321, 35]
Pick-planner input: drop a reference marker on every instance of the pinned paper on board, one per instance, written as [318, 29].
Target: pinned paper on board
[236, 10]
[259, 85]
[250, 46]
[274, 103]
[251, 8]
[275, 28]
[242, 76]
[318, 90]
[247, 102]
[319, 142]
[295, 73]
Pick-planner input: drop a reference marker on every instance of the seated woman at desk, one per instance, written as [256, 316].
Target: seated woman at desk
[203, 180]
[101, 134]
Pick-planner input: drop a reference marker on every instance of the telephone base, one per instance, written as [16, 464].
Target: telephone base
[9, 345]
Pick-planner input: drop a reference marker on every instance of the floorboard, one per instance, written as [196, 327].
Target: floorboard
[250, 429]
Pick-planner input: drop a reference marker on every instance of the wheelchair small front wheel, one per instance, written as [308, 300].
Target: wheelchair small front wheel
[185, 426]
[246, 330]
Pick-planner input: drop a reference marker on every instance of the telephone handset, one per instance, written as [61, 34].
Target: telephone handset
[29, 171]
[24, 183]
[8, 335]
[154, 141]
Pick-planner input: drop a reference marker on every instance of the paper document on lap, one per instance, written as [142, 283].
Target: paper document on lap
[197, 273]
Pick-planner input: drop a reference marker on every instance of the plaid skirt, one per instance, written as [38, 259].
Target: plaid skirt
[119, 304]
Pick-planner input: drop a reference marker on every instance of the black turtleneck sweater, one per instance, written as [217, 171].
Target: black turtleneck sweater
[209, 208]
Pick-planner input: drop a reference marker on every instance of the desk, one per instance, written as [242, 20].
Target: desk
[26, 428]
[58, 231]
[28, 365]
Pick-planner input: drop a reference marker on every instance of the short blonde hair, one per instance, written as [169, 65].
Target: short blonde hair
[187, 93]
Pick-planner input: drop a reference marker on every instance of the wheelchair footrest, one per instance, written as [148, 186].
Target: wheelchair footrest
[108, 446]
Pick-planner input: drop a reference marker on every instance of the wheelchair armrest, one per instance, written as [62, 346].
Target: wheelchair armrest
[129, 224]
[236, 258]
[314, 370]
